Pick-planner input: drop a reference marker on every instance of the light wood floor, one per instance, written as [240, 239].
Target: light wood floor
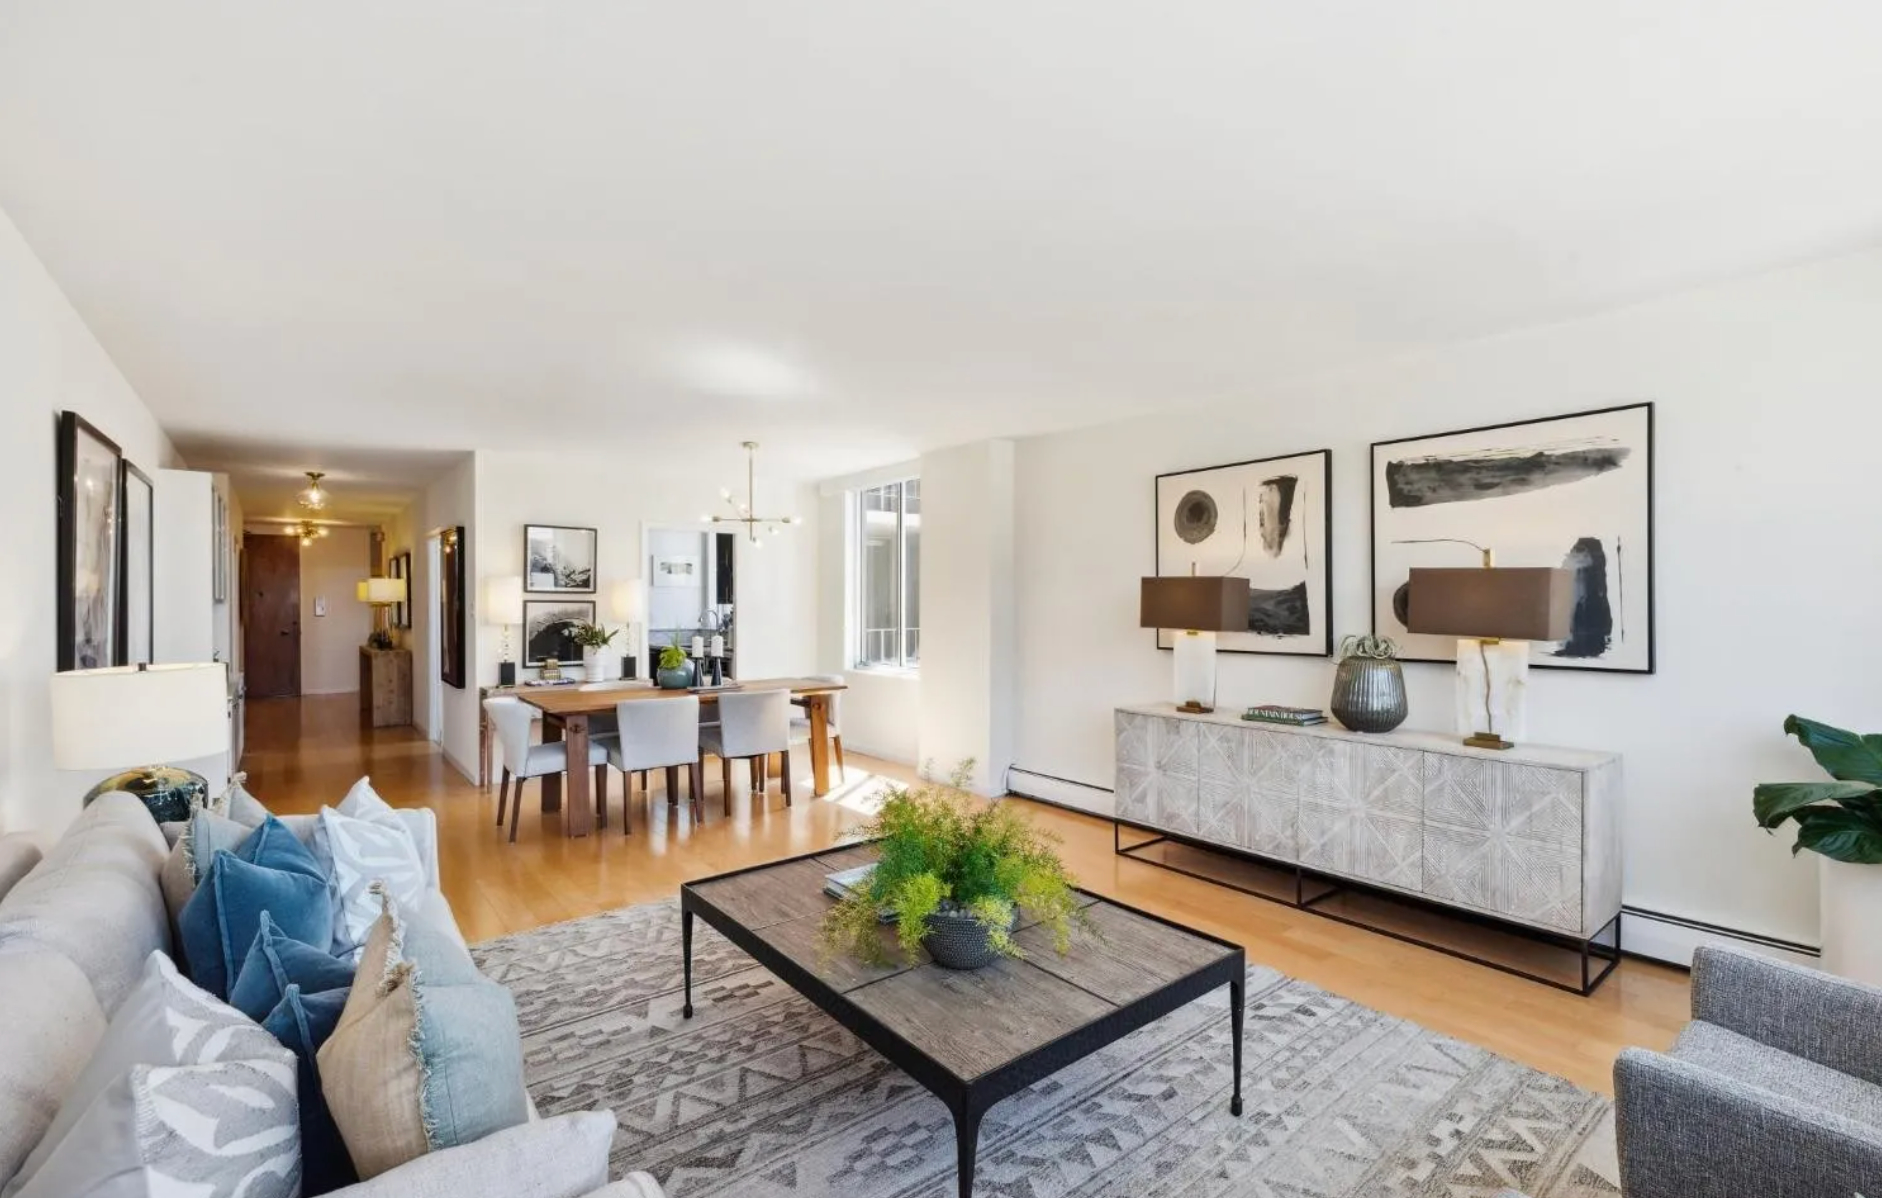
[302, 753]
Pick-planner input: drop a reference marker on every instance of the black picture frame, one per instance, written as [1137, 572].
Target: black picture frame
[540, 617]
[88, 619]
[1324, 647]
[453, 548]
[400, 567]
[137, 559]
[1646, 407]
[560, 559]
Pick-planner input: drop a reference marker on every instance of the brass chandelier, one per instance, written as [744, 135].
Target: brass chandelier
[742, 512]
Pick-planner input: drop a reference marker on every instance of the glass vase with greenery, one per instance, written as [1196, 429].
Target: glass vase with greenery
[1841, 819]
[944, 853]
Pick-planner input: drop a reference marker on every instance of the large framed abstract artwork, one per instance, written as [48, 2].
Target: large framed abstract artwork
[546, 627]
[1572, 491]
[559, 560]
[91, 593]
[1269, 521]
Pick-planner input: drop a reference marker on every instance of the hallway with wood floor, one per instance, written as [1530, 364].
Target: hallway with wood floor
[303, 753]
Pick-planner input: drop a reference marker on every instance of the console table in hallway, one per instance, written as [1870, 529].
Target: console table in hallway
[567, 710]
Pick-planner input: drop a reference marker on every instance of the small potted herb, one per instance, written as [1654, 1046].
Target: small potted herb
[676, 669]
[955, 873]
[593, 638]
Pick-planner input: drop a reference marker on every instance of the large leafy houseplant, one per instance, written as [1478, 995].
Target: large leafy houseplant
[1841, 819]
[944, 853]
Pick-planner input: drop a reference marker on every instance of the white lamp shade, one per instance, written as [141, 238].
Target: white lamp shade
[127, 716]
[503, 600]
[382, 592]
[625, 601]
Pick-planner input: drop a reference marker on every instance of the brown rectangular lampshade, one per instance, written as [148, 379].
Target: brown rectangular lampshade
[1193, 604]
[1517, 603]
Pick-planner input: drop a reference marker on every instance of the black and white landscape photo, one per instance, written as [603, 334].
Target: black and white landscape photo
[558, 560]
[546, 627]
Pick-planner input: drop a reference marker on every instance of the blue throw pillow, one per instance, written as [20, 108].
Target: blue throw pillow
[276, 961]
[218, 925]
[302, 1022]
[276, 847]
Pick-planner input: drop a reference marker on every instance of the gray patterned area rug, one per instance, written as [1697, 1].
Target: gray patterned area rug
[761, 1094]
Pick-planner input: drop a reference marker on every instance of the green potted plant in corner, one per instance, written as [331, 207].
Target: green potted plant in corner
[676, 669]
[955, 874]
[1841, 821]
[597, 666]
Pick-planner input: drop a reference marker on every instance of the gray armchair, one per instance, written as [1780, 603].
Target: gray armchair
[1774, 1089]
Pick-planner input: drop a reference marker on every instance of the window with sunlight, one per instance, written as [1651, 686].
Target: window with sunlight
[888, 576]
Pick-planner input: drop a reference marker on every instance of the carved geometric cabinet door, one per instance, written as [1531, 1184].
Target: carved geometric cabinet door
[1134, 768]
[1505, 837]
[1278, 763]
[1222, 784]
[1361, 813]
[1175, 783]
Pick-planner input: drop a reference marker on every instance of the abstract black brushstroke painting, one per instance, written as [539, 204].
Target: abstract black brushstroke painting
[1276, 512]
[1267, 521]
[1581, 483]
[1279, 613]
[1419, 482]
[1591, 623]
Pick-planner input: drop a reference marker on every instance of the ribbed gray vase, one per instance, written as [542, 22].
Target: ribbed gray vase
[1369, 694]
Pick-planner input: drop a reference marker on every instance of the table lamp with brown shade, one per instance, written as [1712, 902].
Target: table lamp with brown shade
[1195, 609]
[1495, 612]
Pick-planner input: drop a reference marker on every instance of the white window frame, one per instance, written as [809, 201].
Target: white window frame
[861, 634]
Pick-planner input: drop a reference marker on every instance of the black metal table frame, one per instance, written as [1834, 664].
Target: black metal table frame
[1592, 948]
[969, 1099]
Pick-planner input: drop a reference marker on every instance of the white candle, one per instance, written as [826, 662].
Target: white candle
[718, 645]
[699, 646]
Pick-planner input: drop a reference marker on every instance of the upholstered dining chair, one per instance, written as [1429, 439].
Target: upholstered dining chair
[752, 725]
[800, 724]
[654, 734]
[523, 761]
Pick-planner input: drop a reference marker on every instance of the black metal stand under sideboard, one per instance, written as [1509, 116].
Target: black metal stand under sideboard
[1312, 891]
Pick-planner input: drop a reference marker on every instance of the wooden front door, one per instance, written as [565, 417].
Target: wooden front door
[271, 615]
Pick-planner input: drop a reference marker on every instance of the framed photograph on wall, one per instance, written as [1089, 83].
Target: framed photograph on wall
[546, 627]
[136, 566]
[400, 566]
[1572, 491]
[558, 560]
[453, 604]
[90, 593]
[1269, 521]
[671, 570]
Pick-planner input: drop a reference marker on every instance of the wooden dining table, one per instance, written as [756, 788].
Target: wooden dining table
[566, 711]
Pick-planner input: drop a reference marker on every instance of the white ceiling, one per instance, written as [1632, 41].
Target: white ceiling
[855, 230]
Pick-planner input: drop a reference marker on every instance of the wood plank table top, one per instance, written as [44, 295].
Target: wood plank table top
[595, 698]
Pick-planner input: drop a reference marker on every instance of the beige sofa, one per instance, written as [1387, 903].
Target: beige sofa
[75, 931]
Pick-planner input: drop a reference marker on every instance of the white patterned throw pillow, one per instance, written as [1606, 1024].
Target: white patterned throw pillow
[362, 842]
[184, 1096]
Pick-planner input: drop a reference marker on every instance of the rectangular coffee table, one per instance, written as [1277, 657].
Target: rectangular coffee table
[970, 1037]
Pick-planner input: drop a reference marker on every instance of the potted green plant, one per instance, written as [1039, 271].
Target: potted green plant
[676, 669]
[1840, 821]
[593, 638]
[955, 873]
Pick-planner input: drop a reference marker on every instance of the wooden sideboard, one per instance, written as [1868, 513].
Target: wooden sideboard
[385, 687]
[1528, 836]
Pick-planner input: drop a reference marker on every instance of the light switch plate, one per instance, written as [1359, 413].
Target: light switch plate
[320, 605]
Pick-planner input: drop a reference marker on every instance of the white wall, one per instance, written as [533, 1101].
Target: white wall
[1767, 570]
[331, 569]
[776, 585]
[967, 594]
[673, 607]
[49, 362]
[449, 502]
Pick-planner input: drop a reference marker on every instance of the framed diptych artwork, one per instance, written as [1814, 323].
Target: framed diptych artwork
[1570, 491]
[546, 627]
[558, 560]
[1268, 521]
